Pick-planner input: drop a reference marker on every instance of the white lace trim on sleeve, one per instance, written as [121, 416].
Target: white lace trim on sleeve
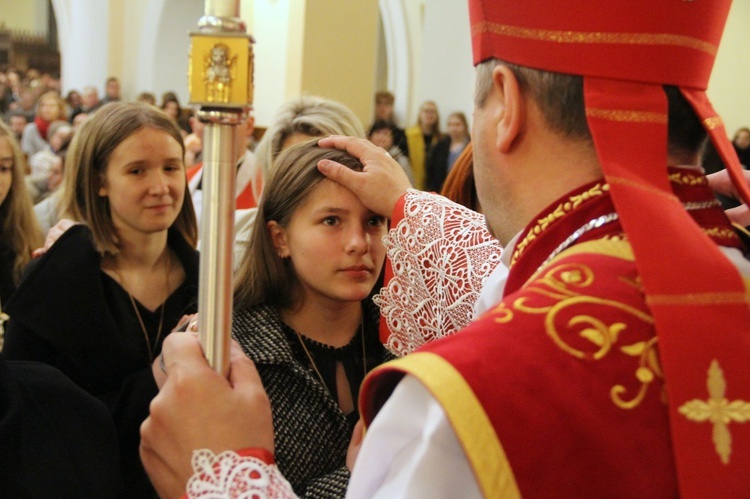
[230, 475]
[441, 253]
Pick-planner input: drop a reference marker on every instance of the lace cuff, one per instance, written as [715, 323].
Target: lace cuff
[233, 475]
[439, 255]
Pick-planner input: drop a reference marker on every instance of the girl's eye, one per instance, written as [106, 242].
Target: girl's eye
[330, 221]
[376, 221]
[5, 169]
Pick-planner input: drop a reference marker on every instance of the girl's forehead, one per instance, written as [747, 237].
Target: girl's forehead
[324, 189]
[329, 193]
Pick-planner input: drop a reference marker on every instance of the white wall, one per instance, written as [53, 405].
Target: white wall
[268, 22]
[142, 42]
[168, 51]
[401, 45]
[83, 32]
[447, 73]
[156, 44]
[729, 88]
[429, 56]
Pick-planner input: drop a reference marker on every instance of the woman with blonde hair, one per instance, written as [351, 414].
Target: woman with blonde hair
[421, 138]
[302, 118]
[446, 151]
[114, 286]
[50, 107]
[19, 231]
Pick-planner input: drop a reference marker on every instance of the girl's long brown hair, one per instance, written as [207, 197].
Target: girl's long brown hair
[19, 230]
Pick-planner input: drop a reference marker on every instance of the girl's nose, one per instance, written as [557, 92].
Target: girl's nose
[159, 185]
[358, 240]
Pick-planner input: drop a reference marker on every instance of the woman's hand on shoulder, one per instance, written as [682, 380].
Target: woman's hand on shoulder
[53, 235]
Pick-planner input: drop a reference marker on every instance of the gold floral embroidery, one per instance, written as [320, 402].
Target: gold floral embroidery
[718, 410]
[502, 315]
[648, 370]
[560, 211]
[560, 289]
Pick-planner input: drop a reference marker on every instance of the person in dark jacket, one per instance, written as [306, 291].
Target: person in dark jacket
[98, 304]
[55, 439]
[446, 151]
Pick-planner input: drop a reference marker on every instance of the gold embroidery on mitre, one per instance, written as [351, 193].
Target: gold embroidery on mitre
[629, 116]
[718, 410]
[560, 211]
[594, 37]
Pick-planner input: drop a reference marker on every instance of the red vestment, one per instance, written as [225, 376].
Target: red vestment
[558, 390]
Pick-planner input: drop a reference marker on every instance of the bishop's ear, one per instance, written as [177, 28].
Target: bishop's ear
[512, 107]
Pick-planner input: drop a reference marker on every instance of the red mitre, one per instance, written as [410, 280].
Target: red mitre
[626, 51]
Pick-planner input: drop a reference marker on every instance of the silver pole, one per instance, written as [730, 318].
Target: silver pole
[221, 115]
[217, 236]
[222, 8]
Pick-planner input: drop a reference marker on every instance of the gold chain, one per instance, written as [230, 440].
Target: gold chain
[315, 367]
[138, 314]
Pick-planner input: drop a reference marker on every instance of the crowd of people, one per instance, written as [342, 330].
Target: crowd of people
[106, 179]
[568, 319]
[424, 152]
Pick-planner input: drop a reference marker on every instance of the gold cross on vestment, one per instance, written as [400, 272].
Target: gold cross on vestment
[718, 410]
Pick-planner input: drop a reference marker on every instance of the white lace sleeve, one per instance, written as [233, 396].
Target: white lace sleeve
[230, 476]
[439, 254]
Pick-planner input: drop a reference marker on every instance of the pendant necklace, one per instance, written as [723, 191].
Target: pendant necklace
[167, 262]
[312, 361]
